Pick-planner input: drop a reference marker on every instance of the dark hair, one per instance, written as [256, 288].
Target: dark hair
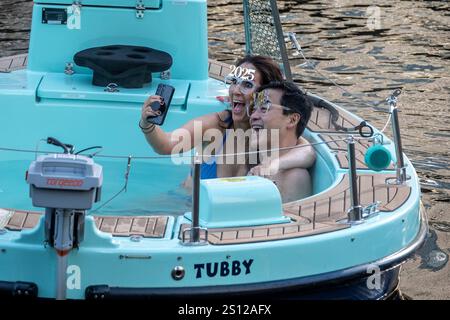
[269, 69]
[295, 99]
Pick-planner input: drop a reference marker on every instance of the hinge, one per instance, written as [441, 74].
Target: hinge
[140, 9]
[165, 75]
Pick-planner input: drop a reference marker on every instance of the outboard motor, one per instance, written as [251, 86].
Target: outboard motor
[66, 185]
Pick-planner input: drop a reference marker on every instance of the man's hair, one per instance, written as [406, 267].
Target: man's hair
[269, 69]
[293, 98]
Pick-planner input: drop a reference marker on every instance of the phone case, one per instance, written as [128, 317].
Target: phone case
[166, 92]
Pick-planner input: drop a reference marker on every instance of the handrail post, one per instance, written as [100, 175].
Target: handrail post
[198, 236]
[355, 211]
[195, 229]
[400, 165]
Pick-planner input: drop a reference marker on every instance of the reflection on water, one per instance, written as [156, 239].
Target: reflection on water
[407, 46]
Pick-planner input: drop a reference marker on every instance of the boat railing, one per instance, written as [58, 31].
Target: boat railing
[356, 210]
[401, 177]
[195, 229]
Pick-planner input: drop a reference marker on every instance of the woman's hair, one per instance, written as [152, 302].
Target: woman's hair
[269, 69]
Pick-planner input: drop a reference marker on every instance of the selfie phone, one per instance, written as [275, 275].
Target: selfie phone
[166, 92]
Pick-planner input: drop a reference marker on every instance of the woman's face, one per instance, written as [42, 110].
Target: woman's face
[240, 100]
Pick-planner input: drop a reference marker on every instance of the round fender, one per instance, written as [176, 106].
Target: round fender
[377, 157]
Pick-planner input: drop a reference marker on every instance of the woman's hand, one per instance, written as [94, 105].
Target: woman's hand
[266, 169]
[147, 110]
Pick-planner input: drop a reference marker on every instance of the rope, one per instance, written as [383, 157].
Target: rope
[387, 122]
[297, 46]
[299, 49]
[185, 156]
[195, 156]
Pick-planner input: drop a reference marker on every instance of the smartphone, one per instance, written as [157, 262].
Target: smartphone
[166, 92]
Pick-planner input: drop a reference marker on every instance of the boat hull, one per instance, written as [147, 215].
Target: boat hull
[372, 281]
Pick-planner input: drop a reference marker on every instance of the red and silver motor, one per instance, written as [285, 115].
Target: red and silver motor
[65, 181]
[66, 185]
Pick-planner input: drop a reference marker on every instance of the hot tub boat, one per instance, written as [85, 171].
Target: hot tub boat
[66, 234]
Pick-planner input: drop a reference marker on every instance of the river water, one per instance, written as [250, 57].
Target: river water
[369, 50]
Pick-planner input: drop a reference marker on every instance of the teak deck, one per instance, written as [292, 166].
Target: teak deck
[8, 64]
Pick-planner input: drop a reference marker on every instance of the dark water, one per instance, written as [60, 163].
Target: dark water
[408, 47]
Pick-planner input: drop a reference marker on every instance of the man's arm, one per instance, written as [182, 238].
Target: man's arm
[302, 157]
[299, 157]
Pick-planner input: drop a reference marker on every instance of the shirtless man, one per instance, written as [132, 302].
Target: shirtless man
[282, 109]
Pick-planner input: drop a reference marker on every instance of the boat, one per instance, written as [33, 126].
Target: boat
[110, 222]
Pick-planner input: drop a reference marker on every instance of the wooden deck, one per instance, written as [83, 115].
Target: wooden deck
[295, 229]
[320, 120]
[125, 226]
[20, 220]
[8, 64]
[333, 204]
[218, 70]
[121, 226]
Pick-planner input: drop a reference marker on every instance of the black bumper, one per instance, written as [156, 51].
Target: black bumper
[18, 289]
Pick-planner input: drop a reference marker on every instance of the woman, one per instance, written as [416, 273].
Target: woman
[240, 95]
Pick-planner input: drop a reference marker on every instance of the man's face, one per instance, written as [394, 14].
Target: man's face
[268, 114]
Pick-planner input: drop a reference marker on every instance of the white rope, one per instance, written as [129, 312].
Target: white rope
[299, 49]
[187, 156]
[387, 122]
[129, 157]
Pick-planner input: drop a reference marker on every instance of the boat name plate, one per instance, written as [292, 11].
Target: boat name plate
[54, 16]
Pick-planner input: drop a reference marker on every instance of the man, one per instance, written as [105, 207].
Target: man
[278, 118]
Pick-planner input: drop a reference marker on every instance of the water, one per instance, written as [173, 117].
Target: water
[147, 193]
[369, 51]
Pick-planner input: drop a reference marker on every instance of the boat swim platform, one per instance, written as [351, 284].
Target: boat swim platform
[322, 213]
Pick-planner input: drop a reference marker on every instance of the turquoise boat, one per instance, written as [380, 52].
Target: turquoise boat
[113, 222]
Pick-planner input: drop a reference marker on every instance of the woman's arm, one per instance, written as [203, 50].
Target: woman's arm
[164, 142]
[300, 157]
